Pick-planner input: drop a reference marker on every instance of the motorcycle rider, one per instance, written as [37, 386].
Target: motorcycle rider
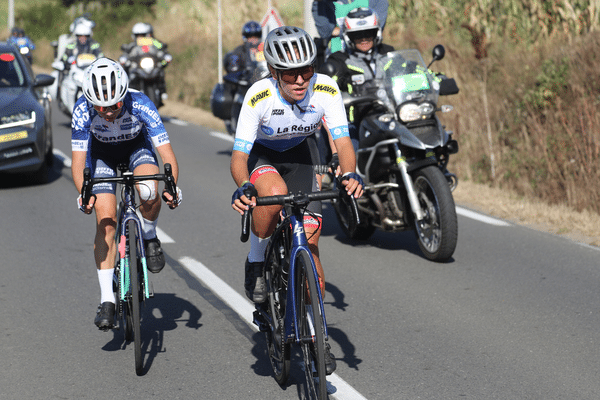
[251, 35]
[356, 68]
[83, 45]
[112, 124]
[329, 15]
[20, 40]
[156, 47]
[273, 149]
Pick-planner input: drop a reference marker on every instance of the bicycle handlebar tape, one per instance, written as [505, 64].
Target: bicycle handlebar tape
[350, 203]
[249, 192]
[171, 188]
[86, 189]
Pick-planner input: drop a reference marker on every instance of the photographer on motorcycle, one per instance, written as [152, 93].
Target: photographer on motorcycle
[360, 64]
[139, 46]
[251, 35]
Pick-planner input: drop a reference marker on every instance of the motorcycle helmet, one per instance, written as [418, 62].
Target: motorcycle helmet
[84, 19]
[14, 31]
[141, 29]
[251, 28]
[105, 82]
[82, 29]
[361, 22]
[281, 45]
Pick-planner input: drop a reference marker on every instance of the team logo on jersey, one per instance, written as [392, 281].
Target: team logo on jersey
[267, 130]
[278, 111]
[260, 96]
[325, 88]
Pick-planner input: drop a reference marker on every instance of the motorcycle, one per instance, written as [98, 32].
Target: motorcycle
[403, 155]
[25, 47]
[226, 98]
[70, 89]
[145, 70]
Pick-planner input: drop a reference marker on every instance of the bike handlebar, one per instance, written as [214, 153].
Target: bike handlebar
[89, 182]
[300, 199]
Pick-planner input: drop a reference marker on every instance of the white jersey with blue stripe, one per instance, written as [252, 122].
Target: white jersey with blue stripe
[268, 119]
[139, 116]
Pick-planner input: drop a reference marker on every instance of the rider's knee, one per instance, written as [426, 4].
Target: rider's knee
[147, 191]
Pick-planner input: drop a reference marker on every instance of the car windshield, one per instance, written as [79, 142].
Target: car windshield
[11, 73]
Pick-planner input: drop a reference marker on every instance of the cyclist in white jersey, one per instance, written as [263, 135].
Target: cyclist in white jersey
[275, 146]
[112, 124]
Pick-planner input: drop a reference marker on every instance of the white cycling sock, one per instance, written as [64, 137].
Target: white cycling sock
[149, 230]
[257, 248]
[105, 278]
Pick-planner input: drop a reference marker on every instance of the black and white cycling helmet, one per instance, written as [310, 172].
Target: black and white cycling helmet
[141, 29]
[105, 83]
[358, 23]
[281, 44]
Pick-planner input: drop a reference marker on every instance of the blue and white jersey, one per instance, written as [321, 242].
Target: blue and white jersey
[268, 119]
[138, 117]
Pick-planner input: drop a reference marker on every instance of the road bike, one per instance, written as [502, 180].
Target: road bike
[293, 311]
[130, 283]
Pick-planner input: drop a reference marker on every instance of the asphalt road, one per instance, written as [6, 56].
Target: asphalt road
[514, 315]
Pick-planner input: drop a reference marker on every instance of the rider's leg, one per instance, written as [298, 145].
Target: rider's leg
[267, 182]
[313, 234]
[150, 209]
[105, 251]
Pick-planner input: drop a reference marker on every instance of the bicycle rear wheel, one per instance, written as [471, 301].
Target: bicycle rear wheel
[310, 327]
[134, 268]
[277, 346]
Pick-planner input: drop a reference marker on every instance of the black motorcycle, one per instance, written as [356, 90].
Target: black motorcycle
[145, 70]
[403, 155]
[226, 98]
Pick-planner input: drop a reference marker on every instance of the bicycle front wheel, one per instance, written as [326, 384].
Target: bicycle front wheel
[134, 268]
[276, 279]
[310, 327]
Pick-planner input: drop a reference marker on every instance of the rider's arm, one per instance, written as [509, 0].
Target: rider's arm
[77, 167]
[168, 157]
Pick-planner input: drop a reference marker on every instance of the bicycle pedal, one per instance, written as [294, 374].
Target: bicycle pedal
[259, 321]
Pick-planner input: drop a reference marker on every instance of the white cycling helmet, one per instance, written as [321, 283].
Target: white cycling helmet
[281, 44]
[359, 22]
[141, 28]
[105, 83]
[82, 29]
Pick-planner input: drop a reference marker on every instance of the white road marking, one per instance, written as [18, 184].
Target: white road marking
[337, 387]
[480, 217]
[223, 136]
[176, 121]
[63, 157]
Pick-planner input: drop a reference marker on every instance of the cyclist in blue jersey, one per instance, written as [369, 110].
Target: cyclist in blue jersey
[275, 147]
[113, 124]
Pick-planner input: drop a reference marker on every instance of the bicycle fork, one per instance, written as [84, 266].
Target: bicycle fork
[124, 260]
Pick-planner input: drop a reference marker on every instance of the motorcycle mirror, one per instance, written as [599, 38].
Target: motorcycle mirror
[438, 53]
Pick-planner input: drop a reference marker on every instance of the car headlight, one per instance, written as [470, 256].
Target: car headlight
[25, 118]
[412, 111]
[147, 64]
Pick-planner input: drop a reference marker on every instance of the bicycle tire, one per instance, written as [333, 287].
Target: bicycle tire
[312, 340]
[277, 347]
[134, 268]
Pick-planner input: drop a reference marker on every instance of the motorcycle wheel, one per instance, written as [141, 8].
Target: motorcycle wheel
[344, 216]
[437, 233]
[151, 93]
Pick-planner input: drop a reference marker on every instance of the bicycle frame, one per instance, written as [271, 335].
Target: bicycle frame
[127, 213]
[299, 243]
